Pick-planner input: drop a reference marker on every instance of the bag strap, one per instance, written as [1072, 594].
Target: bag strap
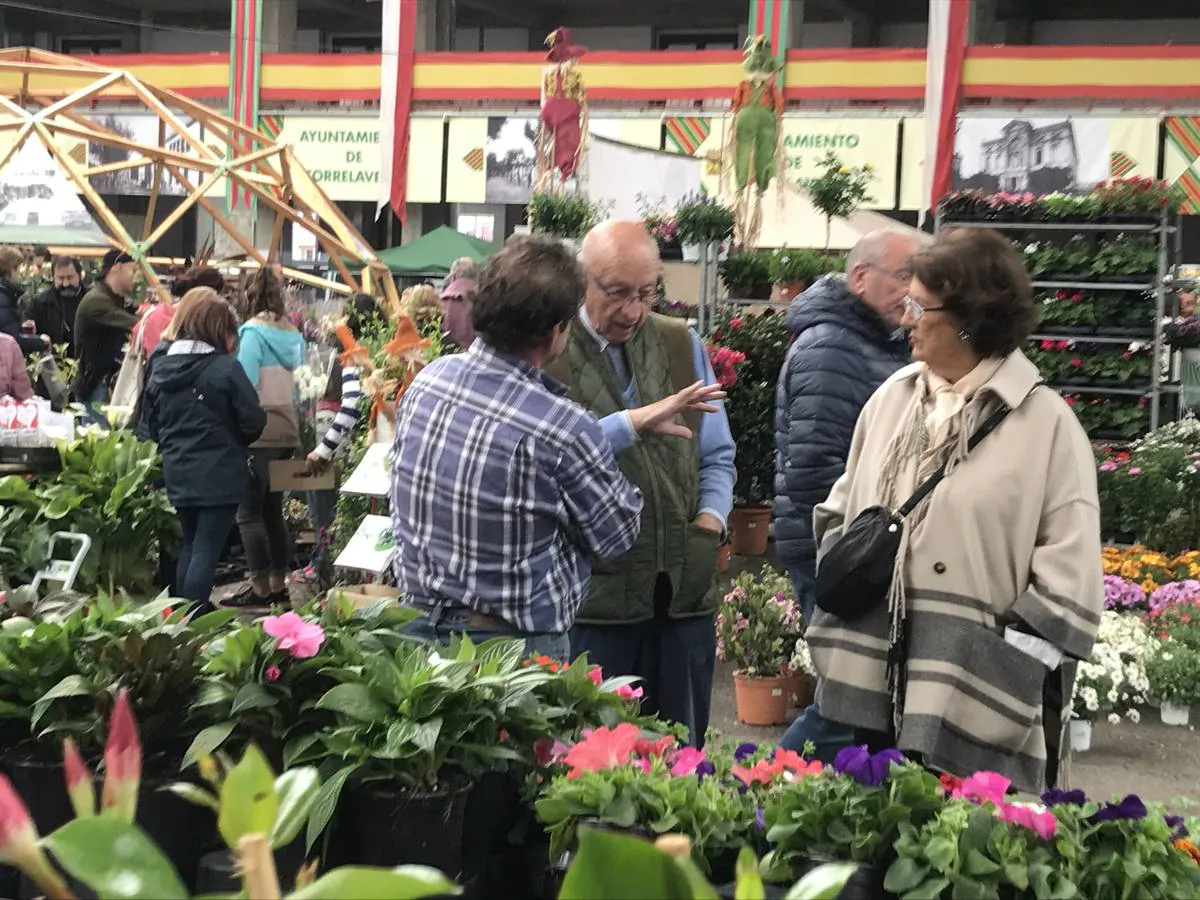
[989, 425]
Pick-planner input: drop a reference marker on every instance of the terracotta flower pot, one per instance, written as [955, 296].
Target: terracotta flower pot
[761, 701]
[788, 290]
[748, 527]
[799, 690]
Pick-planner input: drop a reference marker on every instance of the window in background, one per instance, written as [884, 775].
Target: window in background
[480, 226]
[89, 46]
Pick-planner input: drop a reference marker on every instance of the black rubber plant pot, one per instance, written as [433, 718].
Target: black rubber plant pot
[393, 827]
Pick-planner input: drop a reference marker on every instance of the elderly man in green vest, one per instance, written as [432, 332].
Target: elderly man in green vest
[650, 612]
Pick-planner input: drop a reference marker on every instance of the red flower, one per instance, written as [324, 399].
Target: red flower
[1048, 345]
[604, 748]
[795, 763]
[735, 324]
[950, 784]
[596, 675]
[654, 749]
[763, 772]
[1076, 362]
[122, 762]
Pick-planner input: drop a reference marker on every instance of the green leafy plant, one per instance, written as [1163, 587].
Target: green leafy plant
[747, 274]
[1174, 673]
[563, 215]
[799, 264]
[840, 189]
[759, 624]
[750, 405]
[702, 220]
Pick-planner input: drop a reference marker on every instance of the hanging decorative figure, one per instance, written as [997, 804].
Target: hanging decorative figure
[561, 138]
[754, 143]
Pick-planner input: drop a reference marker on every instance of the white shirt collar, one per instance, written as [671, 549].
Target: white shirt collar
[587, 326]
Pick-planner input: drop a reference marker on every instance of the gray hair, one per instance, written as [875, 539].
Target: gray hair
[463, 267]
[871, 247]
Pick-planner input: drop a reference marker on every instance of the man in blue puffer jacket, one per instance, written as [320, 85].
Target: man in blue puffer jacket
[847, 341]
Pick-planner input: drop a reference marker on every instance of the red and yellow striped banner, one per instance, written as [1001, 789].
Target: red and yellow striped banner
[1010, 73]
[686, 133]
[1120, 164]
[474, 159]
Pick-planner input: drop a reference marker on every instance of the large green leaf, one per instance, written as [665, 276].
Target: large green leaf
[610, 866]
[207, 742]
[251, 696]
[71, 686]
[115, 859]
[248, 801]
[297, 791]
[354, 701]
[326, 803]
[362, 883]
[823, 883]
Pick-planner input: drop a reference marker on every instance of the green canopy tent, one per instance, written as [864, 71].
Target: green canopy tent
[434, 253]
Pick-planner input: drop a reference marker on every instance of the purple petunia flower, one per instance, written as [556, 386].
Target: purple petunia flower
[864, 767]
[1178, 829]
[1121, 594]
[1131, 807]
[1058, 797]
[704, 769]
[745, 749]
[760, 819]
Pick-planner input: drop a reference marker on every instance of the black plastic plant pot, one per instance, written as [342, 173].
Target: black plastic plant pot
[217, 870]
[728, 891]
[392, 827]
[489, 817]
[185, 831]
[43, 787]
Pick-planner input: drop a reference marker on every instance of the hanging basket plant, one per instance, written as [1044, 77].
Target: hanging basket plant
[569, 216]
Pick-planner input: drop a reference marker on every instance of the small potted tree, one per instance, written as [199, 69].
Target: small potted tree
[758, 625]
[702, 220]
[839, 190]
[1174, 676]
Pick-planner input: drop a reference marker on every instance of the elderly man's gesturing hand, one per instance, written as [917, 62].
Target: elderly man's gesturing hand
[659, 418]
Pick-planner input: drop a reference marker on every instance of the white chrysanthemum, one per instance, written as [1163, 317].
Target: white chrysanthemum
[1114, 719]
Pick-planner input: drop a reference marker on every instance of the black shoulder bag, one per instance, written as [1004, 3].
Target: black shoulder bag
[855, 576]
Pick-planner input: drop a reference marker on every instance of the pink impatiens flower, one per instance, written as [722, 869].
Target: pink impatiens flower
[272, 673]
[595, 675]
[625, 692]
[300, 638]
[603, 748]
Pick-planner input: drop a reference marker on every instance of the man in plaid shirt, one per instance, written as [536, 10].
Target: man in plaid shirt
[503, 489]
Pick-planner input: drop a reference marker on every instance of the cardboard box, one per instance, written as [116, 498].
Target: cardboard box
[293, 475]
[365, 594]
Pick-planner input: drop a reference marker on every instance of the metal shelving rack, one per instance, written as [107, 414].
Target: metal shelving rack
[1168, 235]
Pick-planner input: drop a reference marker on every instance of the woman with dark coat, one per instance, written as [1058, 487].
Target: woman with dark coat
[203, 412]
[10, 297]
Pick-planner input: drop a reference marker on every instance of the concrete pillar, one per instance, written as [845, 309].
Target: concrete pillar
[795, 35]
[435, 26]
[982, 27]
[146, 32]
[279, 26]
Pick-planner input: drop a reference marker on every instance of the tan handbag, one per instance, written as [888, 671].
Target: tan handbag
[128, 386]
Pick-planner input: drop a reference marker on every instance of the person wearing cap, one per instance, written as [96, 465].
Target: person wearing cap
[102, 324]
[456, 311]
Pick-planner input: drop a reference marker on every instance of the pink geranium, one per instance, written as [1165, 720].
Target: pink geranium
[302, 639]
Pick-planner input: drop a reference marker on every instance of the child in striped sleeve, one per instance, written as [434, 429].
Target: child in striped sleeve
[343, 394]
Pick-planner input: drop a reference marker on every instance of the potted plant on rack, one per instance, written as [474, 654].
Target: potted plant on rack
[750, 405]
[701, 221]
[794, 269]
[839, 190]
[566, 216]
[758, 625]
[662, 225]
[747, 274]
[1174, 675]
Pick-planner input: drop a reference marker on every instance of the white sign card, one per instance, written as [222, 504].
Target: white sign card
[370, 549]
[373, 477]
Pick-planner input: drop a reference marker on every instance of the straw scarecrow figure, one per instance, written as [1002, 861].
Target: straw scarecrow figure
[561, 141]
[754, 146]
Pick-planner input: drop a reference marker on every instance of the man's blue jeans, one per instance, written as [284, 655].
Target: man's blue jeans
[828, 737]
[556, 646]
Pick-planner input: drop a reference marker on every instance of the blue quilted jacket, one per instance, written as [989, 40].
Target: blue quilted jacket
[842, 351]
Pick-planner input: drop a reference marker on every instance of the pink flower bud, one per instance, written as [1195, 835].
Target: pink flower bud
[272, 673]
[19, 843]
[122, 762]
[80, 787]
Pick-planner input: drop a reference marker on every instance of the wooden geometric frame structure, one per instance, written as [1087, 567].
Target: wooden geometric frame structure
[43, 96]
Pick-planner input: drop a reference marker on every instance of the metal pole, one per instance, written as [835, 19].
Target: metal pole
[1160, 305]
[703, 299]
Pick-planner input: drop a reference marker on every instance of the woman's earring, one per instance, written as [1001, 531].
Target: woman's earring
[964, 337]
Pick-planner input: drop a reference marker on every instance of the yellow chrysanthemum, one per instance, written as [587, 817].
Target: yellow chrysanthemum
[1149, 585]
[1131, 570]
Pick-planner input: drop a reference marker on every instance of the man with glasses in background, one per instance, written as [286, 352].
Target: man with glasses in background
[847, 340]
[649, 613]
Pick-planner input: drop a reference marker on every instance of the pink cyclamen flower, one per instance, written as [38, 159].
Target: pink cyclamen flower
[300, 638]
[122, 763]
[625, 692]
[985, 786]
[80, 787]
[272, 673]
[1037, 819]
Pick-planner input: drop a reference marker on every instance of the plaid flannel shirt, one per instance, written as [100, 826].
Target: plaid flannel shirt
[502, 488]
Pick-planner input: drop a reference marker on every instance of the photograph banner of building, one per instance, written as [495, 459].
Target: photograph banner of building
[39, 204]
[511, 158]
[142, 129]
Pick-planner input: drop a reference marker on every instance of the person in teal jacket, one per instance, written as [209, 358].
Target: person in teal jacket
[270, 349]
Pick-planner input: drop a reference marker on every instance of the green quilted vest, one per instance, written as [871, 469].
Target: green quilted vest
[666, 469]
